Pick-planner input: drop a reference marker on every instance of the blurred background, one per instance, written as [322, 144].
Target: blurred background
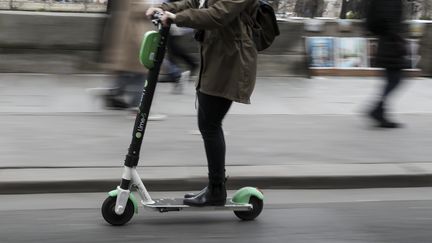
[69, 35]
[69, 84]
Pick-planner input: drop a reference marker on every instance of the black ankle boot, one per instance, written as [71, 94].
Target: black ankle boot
[194, 194]
[213, 195]
[379, 116]
[115, 102]
[377, 113]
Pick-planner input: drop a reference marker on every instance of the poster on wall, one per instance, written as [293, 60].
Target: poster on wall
[351, 52]
[320, 51]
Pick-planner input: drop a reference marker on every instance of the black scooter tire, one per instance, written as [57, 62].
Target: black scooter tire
[257, 207]
[109, 214]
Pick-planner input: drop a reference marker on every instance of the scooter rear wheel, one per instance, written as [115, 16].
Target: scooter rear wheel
[109, 214]
[257, 207]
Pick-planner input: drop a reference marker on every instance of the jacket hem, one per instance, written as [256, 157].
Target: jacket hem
[238, 100]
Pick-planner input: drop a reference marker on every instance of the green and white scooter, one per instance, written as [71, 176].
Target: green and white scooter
[121, 204]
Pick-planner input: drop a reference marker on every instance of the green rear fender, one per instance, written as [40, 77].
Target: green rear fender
[243, 195]
[113, 193]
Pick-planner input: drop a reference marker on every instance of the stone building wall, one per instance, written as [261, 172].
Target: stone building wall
[418, 9]
[331, 8]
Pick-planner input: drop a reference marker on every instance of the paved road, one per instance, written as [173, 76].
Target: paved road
[50, 120]
[33, 93]
[102, 140]
[327, 216]
[295, 128]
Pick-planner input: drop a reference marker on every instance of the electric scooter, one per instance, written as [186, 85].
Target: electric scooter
[121, 204]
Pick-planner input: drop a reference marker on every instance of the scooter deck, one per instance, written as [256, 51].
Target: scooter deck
[176, 204]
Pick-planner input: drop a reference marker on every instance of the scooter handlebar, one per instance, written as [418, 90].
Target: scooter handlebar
[156, 18]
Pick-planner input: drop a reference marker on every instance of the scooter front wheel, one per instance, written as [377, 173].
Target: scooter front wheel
[257, 207]
[109, 214]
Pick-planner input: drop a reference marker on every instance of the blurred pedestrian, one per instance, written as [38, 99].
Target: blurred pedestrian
[228, 71]
[384, 19]
[177, 53]
[125, 28]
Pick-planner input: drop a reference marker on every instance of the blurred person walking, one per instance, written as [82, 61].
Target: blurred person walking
[227, 74]
[122, 40]
[384, 19]
[123, 35]
[177, 53]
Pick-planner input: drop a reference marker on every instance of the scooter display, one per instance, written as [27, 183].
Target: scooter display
[121, 204]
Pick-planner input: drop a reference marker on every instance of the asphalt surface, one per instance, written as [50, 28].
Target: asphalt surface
[379, 215]
[84, 152]
[102, 140]
[298, 133]
[39, 93]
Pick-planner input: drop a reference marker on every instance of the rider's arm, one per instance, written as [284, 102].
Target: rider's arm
[215, 16]
[175, 7]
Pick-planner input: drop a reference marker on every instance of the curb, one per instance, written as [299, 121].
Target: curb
[317, 182]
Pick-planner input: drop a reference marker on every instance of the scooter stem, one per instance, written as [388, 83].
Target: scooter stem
[141, 119]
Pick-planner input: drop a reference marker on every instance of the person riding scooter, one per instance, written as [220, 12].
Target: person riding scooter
[228, 72]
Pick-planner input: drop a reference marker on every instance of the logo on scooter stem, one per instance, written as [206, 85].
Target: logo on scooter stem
[140, 128]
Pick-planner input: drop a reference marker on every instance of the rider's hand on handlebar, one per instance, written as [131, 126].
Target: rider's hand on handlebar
[151, 11]
[167, 18]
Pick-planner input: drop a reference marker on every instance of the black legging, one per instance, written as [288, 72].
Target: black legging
[211, 112]
[394, 77]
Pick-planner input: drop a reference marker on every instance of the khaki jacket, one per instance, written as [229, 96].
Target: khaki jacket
[228, 54]
[123, 35]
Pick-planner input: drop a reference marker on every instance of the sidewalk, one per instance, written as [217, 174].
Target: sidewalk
[298, 133]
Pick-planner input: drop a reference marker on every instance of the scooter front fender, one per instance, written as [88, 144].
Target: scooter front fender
[114, 193]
